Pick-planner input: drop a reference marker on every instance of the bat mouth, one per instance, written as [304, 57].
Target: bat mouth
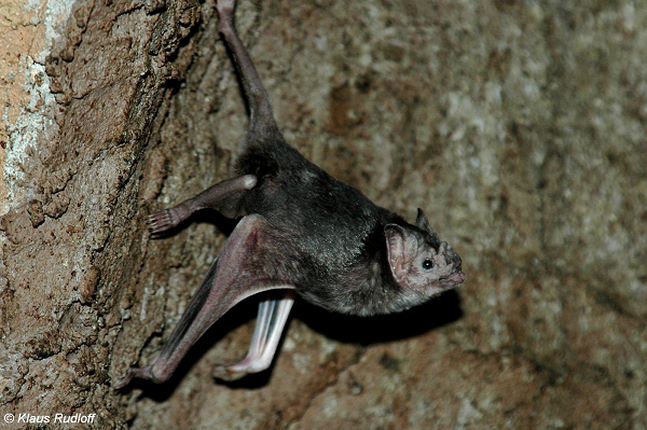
[453, 280]
[456, 277]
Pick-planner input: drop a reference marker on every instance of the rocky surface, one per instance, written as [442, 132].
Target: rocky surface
[518, 126]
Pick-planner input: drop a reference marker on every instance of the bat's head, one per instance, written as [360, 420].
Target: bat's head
[420, 263]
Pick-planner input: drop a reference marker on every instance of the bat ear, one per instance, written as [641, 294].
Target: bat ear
[422, 222]
[401, 249]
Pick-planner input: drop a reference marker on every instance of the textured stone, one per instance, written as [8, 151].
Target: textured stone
[518, 126]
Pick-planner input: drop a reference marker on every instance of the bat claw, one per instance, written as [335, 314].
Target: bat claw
[125, 380]
[162, 221]
[224, 373]
[226, 5]
[149, 373]
[158, 221]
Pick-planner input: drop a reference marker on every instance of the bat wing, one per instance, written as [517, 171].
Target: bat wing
[236, 274]
[271, 319]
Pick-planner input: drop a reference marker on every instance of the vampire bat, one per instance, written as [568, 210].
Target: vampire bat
[300, 231]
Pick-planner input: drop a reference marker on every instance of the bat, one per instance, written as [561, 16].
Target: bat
[300, 231]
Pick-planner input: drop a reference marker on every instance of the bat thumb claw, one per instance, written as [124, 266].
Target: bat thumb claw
[224, 373]
[125, 381]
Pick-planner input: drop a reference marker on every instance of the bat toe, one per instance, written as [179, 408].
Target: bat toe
[159, 222]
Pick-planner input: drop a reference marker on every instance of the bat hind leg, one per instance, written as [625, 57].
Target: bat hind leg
[222, 197]
[272, 317]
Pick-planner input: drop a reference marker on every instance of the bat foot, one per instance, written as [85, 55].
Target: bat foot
[226, 5]
[159, 222]
[226, 12]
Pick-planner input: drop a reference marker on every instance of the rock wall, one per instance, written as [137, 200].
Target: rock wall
[518, 126]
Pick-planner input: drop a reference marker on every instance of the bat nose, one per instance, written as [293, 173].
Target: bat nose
[458, 267]
[451, 257]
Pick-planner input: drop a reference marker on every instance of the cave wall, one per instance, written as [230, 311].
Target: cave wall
[518, 126]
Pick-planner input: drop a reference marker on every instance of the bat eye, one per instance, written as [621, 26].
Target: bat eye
[427, 264]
